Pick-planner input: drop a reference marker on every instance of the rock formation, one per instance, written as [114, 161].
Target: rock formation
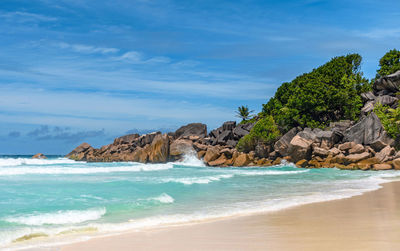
[39, 156]
[344, 144]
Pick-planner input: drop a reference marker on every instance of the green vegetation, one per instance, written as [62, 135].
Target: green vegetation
[389, 63]
[329, 93]
[265, 131]
[244, 113]
[390, 119]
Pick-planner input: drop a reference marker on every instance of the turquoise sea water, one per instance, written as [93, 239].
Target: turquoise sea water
[56, 197]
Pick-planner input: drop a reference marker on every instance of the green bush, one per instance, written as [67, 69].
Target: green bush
[265, 131]
[389, 63]
[329, 93]
[390, 119]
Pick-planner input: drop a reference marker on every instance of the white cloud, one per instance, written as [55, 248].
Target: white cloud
[23, 17]
[99, 110]
[89, 49]
[381, 33]
[135, 57]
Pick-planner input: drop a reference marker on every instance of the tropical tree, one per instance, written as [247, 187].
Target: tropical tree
[389, 63]
[328, 93]
[244, 113]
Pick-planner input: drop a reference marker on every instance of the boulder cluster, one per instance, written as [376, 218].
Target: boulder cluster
[216, 148]
[363, 145]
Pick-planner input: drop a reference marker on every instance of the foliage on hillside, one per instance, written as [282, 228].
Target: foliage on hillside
[265, 131]
[389, 63]
[390, 119]
[330, 92]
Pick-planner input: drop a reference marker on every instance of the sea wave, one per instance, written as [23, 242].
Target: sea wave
[269, 172]
[58, 218]
[197, 180]
[82, 170]
[345, 189]
[4, 162]
[163, 198]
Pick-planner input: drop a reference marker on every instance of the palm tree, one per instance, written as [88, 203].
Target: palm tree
[244, 113]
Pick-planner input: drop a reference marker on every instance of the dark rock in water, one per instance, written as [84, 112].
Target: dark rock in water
[193, 129]
[39, 156]
[367, 131]
[389, 83]
[368, 96]
[282, 145]
[229, 125]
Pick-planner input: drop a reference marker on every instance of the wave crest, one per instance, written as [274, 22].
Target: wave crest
[58, 218]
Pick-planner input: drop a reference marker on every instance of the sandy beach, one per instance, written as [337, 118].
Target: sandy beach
[367, 222]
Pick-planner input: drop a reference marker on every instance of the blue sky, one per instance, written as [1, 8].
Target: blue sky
[74, 70]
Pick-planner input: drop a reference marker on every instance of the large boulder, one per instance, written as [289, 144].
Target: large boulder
[229, 125]
[390, 83]
[159, 149]
[327, 139]
[367, 131]
[300, 148]
[181, 147]
[242, 160]
[242, 130]
[368, 96]
[282, 145]
[386, 100]
[211, 154]
[80, 149]
[193, 129]
[385, 153]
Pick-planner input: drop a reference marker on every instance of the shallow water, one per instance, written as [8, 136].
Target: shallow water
[57, 196]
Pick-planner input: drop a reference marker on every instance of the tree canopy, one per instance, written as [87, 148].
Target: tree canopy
[330, 92]
[389, 63]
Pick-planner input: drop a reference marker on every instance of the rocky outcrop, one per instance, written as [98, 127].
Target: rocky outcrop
[194, 129]
[390, 83]
[364, 145]
[39, 156]
[229, 134]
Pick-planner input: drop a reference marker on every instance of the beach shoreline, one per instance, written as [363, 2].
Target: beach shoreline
[364, 222]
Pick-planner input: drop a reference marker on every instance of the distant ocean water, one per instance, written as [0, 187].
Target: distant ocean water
[57, 197]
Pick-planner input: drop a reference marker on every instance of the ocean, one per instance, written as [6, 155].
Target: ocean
[45, 202]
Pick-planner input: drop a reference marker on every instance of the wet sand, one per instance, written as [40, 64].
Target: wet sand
[367, 222]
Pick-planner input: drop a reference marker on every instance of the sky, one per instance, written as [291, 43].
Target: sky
[74, 71]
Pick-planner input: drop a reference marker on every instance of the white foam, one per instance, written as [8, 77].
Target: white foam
[270, 172]
[82, 170]
[190, 159]
[198, 180]
[163, 198]
[58, 218]
[26, 161]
